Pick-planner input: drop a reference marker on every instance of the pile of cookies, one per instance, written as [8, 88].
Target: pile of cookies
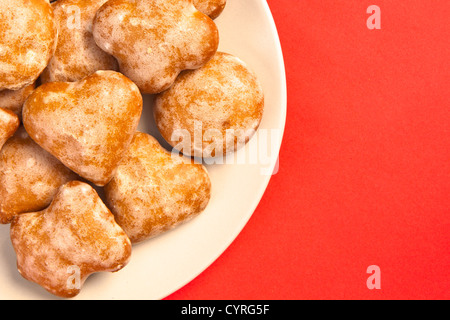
[72, 78]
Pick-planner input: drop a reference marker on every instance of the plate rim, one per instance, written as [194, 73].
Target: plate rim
[263, 187]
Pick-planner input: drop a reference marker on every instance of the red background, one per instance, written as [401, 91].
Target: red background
[365, 164]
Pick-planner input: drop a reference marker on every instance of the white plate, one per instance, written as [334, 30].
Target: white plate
[163, 265]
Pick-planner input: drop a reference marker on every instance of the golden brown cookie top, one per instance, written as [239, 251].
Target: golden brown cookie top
[14, 99]
[88, 124]
[223, 99]
[154, 191]
[212, 8]
[154, 40]
[29, 176]
[76, 232]
[28, 37]
[77, 54]
[9, 123]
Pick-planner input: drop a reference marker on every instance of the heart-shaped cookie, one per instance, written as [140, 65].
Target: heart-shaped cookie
[87, 125]
[76, 236]
[154, 191]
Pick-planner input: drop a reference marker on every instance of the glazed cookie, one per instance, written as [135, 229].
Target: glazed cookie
[153, 191]
[76, 55]
[87, 125]
[29, 176]
[76, 236]
[216, 108]
[9, 123]
[28, 37]
[14, 99]
[212, 8]
[153, 40]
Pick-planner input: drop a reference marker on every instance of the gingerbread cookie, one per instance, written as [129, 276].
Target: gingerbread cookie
[9, 123]
[212, 8]
[29, 176]
[76, 55]
[28, 37]
[153, 40]
[14, 99]
[153, 191]
[214, 110]
[87, 125]
[76, 236]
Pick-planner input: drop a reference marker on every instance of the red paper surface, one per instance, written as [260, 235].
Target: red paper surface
[364, 173]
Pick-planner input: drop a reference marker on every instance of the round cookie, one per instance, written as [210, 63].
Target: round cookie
[212, 8]
[28, 37]
[154, 40]
[14, 99]
[214, 110]
[77, 54]
[29, 176]
[154, 191]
